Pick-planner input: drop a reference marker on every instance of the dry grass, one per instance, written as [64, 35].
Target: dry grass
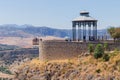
[85, 60]
[18, 41]
[24, 42]
[85, 65]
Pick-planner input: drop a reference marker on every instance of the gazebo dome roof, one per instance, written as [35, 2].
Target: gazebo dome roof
[84, 12]
[84, 16]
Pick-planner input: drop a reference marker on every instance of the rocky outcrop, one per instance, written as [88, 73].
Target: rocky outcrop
[8, 57]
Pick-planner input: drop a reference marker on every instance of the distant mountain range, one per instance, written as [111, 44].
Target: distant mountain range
[13, 30]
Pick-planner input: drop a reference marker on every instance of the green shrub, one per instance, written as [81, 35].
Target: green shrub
[106, 57]
[90, 48]
[99, 51]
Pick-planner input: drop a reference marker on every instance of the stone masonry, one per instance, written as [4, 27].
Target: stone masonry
[55, 50]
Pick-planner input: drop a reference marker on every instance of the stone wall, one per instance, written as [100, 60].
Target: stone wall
[54, 50]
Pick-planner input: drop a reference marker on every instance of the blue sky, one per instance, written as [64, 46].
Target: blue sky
[58, 13]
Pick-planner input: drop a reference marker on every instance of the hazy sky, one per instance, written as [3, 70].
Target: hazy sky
[58, 13]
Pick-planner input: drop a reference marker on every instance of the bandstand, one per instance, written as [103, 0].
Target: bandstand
[79, 25]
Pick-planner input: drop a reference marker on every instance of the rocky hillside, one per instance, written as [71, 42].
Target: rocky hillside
[14, 57]
[8, 57]
[13, 30]
[85, 67]
[8, 47]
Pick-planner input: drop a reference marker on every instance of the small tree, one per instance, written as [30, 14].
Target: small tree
[99, 51]
[90, 48]
[114, 33]
[106, 57]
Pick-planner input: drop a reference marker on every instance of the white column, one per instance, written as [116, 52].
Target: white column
[89, 31]
[79, 31]
[74, 31]
[96, 30]
[84, 31]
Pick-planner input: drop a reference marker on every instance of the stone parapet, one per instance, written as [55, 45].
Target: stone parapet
[55, 50]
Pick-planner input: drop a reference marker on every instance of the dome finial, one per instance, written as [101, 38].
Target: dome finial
[84, 13]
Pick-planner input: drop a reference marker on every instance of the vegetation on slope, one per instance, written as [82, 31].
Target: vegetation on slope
[5, 70]
[114, 33]
[99, 51]
[81, 68]
[8, 47]
[15, 56]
